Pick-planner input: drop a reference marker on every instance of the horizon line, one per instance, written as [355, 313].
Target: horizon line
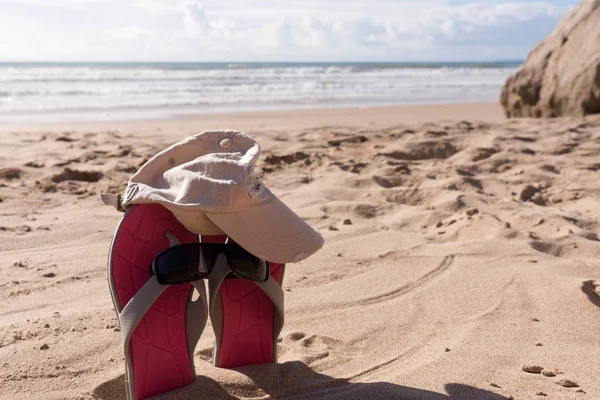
[260, 62]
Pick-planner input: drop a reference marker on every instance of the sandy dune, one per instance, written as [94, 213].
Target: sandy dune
[458, 252]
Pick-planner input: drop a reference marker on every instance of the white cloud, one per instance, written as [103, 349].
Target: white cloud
[194, 17]
[275, 30]
[132, 32]
[56, 3]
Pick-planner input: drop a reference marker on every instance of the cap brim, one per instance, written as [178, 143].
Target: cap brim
[272, 232]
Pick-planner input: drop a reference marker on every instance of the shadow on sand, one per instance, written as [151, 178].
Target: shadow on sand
[589, 288]
[296, 380]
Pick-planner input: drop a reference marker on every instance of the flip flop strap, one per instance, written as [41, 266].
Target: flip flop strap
[275, 293]
[196, 316]
[140, 303]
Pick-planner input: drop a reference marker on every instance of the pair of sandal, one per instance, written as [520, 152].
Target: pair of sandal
[203, 185]
[161, 323]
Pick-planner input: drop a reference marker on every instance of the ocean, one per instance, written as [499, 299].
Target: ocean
[58, 92]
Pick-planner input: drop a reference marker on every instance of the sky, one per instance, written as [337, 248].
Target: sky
[269, 30]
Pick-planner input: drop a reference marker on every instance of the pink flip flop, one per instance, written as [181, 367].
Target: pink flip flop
[160, 324]
[247, 317]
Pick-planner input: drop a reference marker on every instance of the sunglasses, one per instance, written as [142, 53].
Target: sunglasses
[192, 261]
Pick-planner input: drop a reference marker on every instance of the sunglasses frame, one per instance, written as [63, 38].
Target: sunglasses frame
[221, 249]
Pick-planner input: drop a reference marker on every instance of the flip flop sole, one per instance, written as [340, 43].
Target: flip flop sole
[159, 359]
[248, 313]
[248, 316]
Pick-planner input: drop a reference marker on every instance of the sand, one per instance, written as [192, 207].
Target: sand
[471, 254]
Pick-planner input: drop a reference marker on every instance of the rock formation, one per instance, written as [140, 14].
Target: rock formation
[561, 76]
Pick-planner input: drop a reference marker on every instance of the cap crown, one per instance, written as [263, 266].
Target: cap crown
[212, 171]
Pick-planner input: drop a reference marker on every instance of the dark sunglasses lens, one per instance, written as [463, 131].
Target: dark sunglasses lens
[245, 265]
[179, 264]
[210, 252]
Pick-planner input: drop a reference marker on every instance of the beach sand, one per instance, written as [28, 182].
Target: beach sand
[471, 250]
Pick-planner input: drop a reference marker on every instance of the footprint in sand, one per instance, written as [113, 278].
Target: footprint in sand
[550, 168]
[392, 177]
[35, 164]
[427, 150]
[526, 139]
[367, 211]
[130, 169]
[65, 138]
[482, 153]
[310, 348]
[388, 181]
[19, 229]
[500, 165]
[564, 149]
[412, 196]
[76, 175]
[467, 171]
[281, 161]
[550, 248]
[593, 167]
[10, 173]
[351, 166]
[351, 139]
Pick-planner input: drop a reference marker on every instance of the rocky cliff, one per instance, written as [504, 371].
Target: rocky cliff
[561, 76]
